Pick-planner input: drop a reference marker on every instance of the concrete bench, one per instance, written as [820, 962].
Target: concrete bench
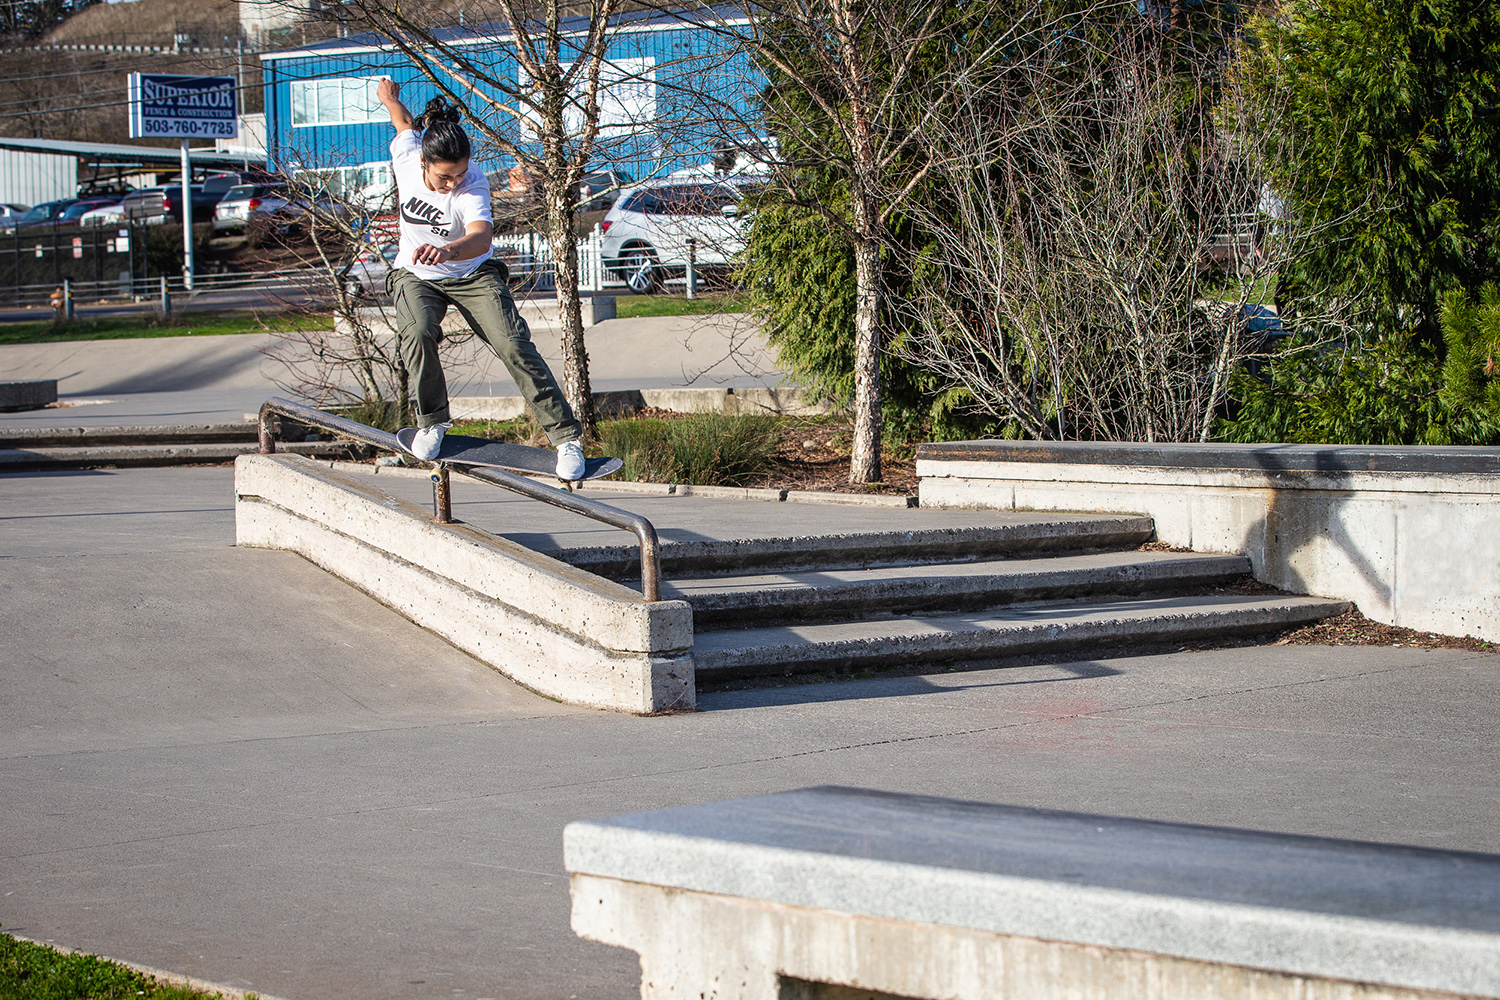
[27, 394]
[844, 893]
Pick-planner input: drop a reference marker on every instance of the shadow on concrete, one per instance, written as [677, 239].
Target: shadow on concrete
[1272, 541]
[185, 375]
[856, 689]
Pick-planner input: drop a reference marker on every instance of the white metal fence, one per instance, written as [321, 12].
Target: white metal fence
[529, 257]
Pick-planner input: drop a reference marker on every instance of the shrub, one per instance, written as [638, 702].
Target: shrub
[705, 449]
[1394, 390]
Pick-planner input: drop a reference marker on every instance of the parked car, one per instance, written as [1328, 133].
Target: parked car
[367, 274]
[8, 211]
[45, 212]
[166, 201]
[76, 211]
[598, 192]
[103, 215]
[273, 206]
[646, 233]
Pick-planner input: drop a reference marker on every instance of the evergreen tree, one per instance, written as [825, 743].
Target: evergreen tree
[1390, 125]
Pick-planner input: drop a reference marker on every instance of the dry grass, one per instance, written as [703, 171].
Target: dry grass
[1354, 629]
[151, 22]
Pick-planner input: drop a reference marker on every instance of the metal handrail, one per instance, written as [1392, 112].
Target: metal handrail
[645, 532]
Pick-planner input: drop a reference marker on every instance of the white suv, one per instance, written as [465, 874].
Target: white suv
[646, 233]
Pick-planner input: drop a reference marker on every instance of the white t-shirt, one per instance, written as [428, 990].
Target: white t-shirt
[433, 217]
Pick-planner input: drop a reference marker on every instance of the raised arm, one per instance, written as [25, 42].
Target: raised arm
[389, 93]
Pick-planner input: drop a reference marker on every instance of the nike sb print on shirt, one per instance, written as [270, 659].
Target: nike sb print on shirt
[434, 217]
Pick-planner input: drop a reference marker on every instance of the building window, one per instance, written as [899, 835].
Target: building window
[346, 101]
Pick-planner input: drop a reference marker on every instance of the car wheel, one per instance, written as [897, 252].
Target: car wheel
[639, 266]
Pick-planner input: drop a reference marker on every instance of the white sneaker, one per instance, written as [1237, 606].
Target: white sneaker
[429, 441]
[570, 466]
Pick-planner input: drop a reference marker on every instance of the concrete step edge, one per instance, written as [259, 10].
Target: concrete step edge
[756, 652]
[1031, 580]
[878, 548]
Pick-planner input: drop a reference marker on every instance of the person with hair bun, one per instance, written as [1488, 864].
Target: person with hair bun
[444, 259]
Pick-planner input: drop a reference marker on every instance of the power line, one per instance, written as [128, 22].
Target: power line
[98, 71]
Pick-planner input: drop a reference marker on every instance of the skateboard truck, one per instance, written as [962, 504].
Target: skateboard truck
[442, 495]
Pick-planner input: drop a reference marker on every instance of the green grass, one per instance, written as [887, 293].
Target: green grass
[36, 972]
[205, 324]
[641, 306]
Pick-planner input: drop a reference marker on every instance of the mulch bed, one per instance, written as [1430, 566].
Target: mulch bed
[1354, 629]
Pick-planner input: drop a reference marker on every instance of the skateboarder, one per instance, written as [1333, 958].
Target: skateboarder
[444, 260]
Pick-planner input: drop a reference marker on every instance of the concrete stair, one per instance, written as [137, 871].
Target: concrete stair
[1060, 585]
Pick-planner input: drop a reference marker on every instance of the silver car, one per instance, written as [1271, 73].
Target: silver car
[647, 231]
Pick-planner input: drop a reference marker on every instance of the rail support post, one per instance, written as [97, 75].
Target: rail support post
[442, 496]
[692, 268]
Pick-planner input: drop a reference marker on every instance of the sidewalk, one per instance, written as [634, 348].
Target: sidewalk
[228, 763]
[195, 380]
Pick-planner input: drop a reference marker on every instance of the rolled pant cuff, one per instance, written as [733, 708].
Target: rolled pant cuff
[432, 419]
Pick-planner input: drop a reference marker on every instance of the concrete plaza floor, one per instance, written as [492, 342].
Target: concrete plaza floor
[230, 764]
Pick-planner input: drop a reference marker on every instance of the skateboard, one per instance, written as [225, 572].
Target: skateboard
[463, 450]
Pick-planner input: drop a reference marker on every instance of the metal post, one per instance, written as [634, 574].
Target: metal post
[166, 299]
[442, 496]
[67, 302]
[692, 268]
[187, 217]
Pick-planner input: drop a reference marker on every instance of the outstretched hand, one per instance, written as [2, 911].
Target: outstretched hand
[387, 90]
[427, 253]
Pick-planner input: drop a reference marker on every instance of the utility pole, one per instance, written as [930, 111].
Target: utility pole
[239, 76]
[187, 217]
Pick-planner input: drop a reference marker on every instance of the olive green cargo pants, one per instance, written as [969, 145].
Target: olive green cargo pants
[483, 299]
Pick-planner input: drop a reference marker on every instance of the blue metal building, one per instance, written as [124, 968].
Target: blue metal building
[667, 83]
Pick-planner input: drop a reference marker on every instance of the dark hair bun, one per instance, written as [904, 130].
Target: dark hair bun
[443, 137]
[438, 110]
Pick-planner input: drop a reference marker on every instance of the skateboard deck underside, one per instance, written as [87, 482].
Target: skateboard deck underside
[467, 450]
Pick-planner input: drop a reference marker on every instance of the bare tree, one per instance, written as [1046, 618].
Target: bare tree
[1103, 235]
[840, 72]
[358, 362]
[546, 116]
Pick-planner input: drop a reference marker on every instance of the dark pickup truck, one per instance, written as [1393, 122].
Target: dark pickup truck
[166, 200]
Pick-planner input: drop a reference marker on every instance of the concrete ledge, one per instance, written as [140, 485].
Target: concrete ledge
[92, 437]
[1255, 458]
[936, 898]
[1411, 535]
[126, 456]
[27, 394]
[626, 402]
[550, 626]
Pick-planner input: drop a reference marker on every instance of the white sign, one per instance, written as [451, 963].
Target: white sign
[186, 107]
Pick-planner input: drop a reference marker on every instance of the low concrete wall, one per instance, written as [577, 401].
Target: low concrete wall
[556, 629]
[1411, 535]
[623, 403]
[536, 312]
[820, 892]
